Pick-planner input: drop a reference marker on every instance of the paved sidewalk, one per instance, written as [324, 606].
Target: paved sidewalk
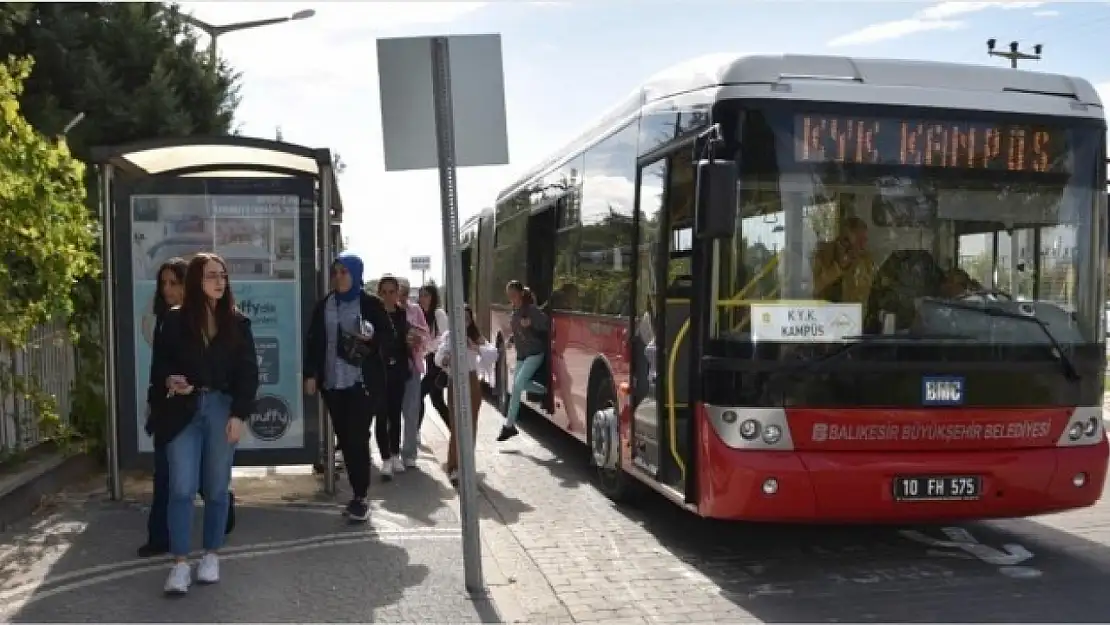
[292, 557]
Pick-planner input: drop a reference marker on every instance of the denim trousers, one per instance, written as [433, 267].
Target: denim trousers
[410, 415]
[157, 525]
[200, 457]
[522, 381]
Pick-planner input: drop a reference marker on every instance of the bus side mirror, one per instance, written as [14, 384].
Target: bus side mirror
[715, 208]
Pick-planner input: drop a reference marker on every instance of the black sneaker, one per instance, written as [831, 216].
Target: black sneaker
[507, 432]
[357, 510]
[151, 550]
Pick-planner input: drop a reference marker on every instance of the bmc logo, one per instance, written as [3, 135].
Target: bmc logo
[942, 391]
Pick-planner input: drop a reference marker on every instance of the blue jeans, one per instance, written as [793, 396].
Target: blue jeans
[522, 381]
[200, 456]
[410, 415]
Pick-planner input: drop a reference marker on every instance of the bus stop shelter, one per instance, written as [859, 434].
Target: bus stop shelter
[273, 211]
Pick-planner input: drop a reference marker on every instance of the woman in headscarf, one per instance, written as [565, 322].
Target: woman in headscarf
[353, 385]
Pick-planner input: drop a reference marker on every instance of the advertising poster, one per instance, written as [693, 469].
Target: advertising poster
[257, 236]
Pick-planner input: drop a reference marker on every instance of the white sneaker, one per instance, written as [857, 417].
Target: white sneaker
[398, 465]
[387, 469]
[208, 571]
[410, 463]
[180, 578]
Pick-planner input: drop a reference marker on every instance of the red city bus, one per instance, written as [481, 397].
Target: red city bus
[819, 289]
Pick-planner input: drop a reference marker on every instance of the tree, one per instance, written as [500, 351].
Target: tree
[136, 71]
[43, 257]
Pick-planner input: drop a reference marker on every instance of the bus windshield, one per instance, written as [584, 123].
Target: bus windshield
[914, 225]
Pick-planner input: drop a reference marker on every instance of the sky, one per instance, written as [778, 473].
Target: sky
[565, 64]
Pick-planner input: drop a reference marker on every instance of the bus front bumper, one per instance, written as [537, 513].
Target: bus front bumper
[858, 487]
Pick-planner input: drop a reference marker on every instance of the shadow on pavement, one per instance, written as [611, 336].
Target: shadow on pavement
[506, 509]
[780, 573]
[285, 562]
[432, 495]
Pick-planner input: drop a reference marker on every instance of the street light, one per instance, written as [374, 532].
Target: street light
[214, 32]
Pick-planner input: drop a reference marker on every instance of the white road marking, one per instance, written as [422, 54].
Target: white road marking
[960, 538]
[110, 572]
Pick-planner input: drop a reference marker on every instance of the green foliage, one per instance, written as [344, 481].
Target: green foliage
[49, 242]
[137, 72]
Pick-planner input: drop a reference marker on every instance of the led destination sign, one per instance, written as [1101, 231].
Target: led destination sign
[927, 143]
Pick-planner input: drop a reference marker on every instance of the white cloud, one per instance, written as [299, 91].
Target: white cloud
[1046, 13]
[940, 16]
[599, 193]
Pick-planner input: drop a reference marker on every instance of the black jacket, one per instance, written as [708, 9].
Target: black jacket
[227, 364]
[373, 368]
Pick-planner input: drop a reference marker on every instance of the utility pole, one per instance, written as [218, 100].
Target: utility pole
[1014, 54]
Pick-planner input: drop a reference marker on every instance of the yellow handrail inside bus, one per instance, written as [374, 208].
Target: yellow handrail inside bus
[671, 416]
[672, 361]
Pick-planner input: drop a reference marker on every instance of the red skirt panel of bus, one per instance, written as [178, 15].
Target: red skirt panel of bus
[857, 486]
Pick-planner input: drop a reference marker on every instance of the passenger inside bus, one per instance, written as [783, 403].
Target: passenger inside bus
[904, 276]
[843, 269]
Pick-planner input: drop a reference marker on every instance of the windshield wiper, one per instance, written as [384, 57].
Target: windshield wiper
[1070, 372]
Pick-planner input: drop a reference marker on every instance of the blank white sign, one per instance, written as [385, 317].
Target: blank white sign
[477, 94]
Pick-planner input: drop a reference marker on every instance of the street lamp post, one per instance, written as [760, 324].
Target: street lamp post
[214, 31]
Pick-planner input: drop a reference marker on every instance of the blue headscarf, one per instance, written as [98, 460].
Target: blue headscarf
[353, 264]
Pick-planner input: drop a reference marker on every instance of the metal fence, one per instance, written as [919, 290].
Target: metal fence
[48, 359]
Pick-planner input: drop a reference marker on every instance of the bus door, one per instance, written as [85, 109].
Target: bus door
[542, 224]
[467, 254]
[664, 283]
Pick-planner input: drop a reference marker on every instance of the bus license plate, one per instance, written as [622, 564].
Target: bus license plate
[938, 488]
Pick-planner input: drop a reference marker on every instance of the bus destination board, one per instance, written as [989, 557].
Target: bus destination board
[957, 144]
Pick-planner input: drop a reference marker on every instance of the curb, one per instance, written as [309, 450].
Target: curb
[499, 592]
[49, 476]
[512, 579]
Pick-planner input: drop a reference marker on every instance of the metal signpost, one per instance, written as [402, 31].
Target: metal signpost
[421, 264]
[475, 103]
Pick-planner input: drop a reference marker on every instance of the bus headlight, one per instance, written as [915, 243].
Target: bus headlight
[772, 434]
[1075, 432]
[1092, 427]
[749, 429]
[729, 416]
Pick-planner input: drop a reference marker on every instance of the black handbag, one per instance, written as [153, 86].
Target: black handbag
[168, 410]
[349, 347]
